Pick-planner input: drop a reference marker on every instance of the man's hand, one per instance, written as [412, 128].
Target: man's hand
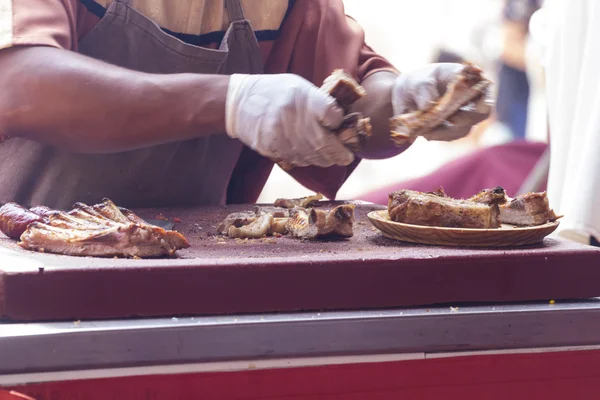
[419, 89]
[284, 117]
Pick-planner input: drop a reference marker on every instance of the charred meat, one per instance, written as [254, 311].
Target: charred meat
[469, 86]
[102, 230]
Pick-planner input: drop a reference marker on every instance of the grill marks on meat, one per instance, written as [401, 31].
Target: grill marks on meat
[300, 202]
[469, 86]
[529, 209]
[102, 230]
[431, 209]
[315, 223]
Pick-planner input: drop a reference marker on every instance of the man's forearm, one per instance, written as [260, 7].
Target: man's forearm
[64, 99]
[377, 105]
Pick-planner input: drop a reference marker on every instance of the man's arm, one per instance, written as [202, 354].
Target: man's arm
[65, 99]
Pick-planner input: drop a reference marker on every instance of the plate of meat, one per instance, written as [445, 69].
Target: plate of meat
[488, 219]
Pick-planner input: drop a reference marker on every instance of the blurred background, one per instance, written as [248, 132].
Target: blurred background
[508, 150]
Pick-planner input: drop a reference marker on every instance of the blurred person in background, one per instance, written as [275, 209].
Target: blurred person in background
[569, 32]
[513, 83]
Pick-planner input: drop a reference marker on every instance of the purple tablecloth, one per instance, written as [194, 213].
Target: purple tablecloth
[507, 165]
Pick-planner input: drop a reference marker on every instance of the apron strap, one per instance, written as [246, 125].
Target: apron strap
[234, 8]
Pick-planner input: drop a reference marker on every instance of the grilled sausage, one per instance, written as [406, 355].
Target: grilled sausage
[15, 219]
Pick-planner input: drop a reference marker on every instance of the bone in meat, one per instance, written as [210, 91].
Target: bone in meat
[467, 87]
[355, 129]
[302, 202]
[432, 209]
[315, 223]
[343, 87]
[530, 209]
[257, 229]
[236, 220]
[102, 230]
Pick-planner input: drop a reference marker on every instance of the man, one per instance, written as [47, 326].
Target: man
[183, 102]
[568, 32]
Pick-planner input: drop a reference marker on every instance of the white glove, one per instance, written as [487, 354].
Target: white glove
[285, 118]
[418, 89]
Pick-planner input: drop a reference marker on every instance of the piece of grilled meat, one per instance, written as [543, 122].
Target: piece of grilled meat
[315, 223]
[529, 209]
[467, 87]
[102, 230]
[437, 209]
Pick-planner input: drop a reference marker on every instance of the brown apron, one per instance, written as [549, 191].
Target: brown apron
[193, 172]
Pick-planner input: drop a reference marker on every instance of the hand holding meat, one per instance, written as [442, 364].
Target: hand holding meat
[439, 102]
[284, 117]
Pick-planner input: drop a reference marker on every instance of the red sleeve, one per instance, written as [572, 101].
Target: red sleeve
[316, 38]
[39, 22]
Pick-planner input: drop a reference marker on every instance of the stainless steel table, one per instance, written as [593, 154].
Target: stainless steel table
[37, 352]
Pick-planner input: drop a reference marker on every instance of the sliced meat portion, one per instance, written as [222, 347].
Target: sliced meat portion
[343, 87]
[318, 224]
[102, 230]
[259, 228]
[436, 209]
[467, 87]
[236, 220]
[301, 202]
[528, 210]
[354, 131]
[15, 219]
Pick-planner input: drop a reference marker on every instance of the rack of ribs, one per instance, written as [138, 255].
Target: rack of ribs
[437, 209]
[101, 230]
[468, 87]
[488, 209]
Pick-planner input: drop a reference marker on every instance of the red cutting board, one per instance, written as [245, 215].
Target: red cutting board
[219, 276]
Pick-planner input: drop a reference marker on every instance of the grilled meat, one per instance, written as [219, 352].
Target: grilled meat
[314, 223]
[355, 129]
[302, 202]
[437, 209]
[236, 220]
[15, 219]
[467, 87]
[496, 195]
[528, 210]
[102, 230]
[258, 228]
[343, 87]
